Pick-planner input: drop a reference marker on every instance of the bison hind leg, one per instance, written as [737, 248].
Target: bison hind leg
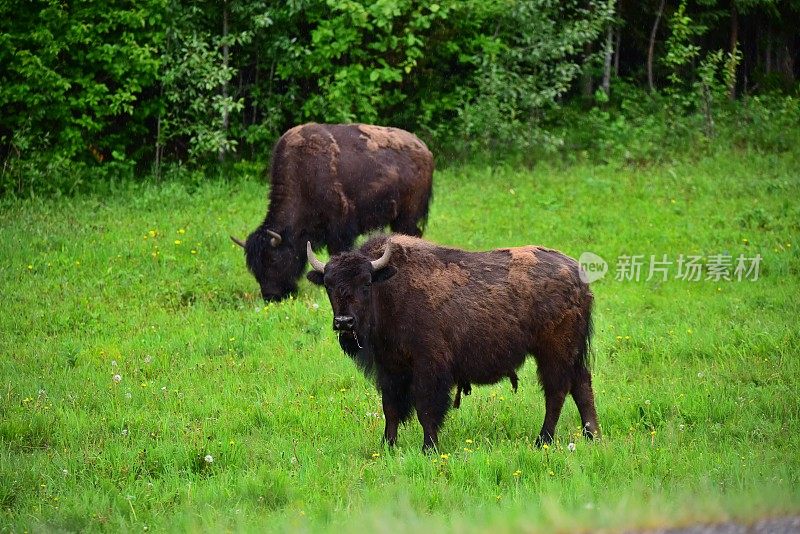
[556, 380]
[583, 395]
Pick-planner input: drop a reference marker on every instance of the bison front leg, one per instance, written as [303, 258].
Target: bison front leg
[397, 403]
[432, 400]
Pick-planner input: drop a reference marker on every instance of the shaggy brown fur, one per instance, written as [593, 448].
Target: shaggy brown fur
[331, 183]
[437, 317]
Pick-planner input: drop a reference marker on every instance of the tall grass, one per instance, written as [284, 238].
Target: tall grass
[145, 384]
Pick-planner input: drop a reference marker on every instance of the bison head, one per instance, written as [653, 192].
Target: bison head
[348, 280]
[273, 261]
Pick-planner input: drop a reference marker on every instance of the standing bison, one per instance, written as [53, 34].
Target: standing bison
[329, 184]
[422, 318]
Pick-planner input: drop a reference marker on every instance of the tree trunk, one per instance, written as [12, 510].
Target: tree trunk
[616, 52]
[734, 44]
[768, 56]
[651, 48]
[586, 81]
[788, 62]
[607, 64]
[157, 163]
[225, 57]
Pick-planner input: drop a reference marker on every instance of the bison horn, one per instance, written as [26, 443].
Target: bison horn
[238, 241]
[383, 261]
[276, 238]
[312, 259]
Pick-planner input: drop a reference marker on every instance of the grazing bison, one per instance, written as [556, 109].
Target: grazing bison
[329, 184]
[422, 318]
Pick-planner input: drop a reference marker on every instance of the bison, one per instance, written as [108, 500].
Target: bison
[421, 318]
[329, 184]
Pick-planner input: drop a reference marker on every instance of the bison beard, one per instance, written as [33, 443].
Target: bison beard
[329, 184]
[422, 319]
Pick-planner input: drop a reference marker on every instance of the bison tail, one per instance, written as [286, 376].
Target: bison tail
[423, 219]
[585, 339]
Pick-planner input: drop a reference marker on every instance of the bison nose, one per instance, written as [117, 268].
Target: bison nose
[343, 322]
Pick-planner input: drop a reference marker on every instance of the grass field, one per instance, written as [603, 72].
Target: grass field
[134, 349]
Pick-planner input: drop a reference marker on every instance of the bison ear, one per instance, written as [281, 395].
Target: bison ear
[381, 275]
[315, 277]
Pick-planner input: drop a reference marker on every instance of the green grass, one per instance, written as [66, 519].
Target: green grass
[696, 383]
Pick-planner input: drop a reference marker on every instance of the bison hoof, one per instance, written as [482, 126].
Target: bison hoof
[590, 432]
[543, 439]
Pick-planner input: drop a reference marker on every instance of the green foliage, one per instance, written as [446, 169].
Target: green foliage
[193, 76]
[695, 381]
[105, 91]
[637, 128]
[522, 68]
[681, 51]
[73, 75]
[358, 55]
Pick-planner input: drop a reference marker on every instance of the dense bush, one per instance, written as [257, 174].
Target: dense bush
[100, 90]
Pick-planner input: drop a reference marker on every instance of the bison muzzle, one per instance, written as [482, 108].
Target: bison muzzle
[420, 319]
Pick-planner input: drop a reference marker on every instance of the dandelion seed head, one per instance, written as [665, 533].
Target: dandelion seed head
[209, 459]
[117, 378]
[571, 447]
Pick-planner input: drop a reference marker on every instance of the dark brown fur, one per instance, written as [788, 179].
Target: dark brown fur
[331, 183]
[438, 317]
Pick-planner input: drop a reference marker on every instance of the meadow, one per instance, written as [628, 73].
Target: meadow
[145, 385]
